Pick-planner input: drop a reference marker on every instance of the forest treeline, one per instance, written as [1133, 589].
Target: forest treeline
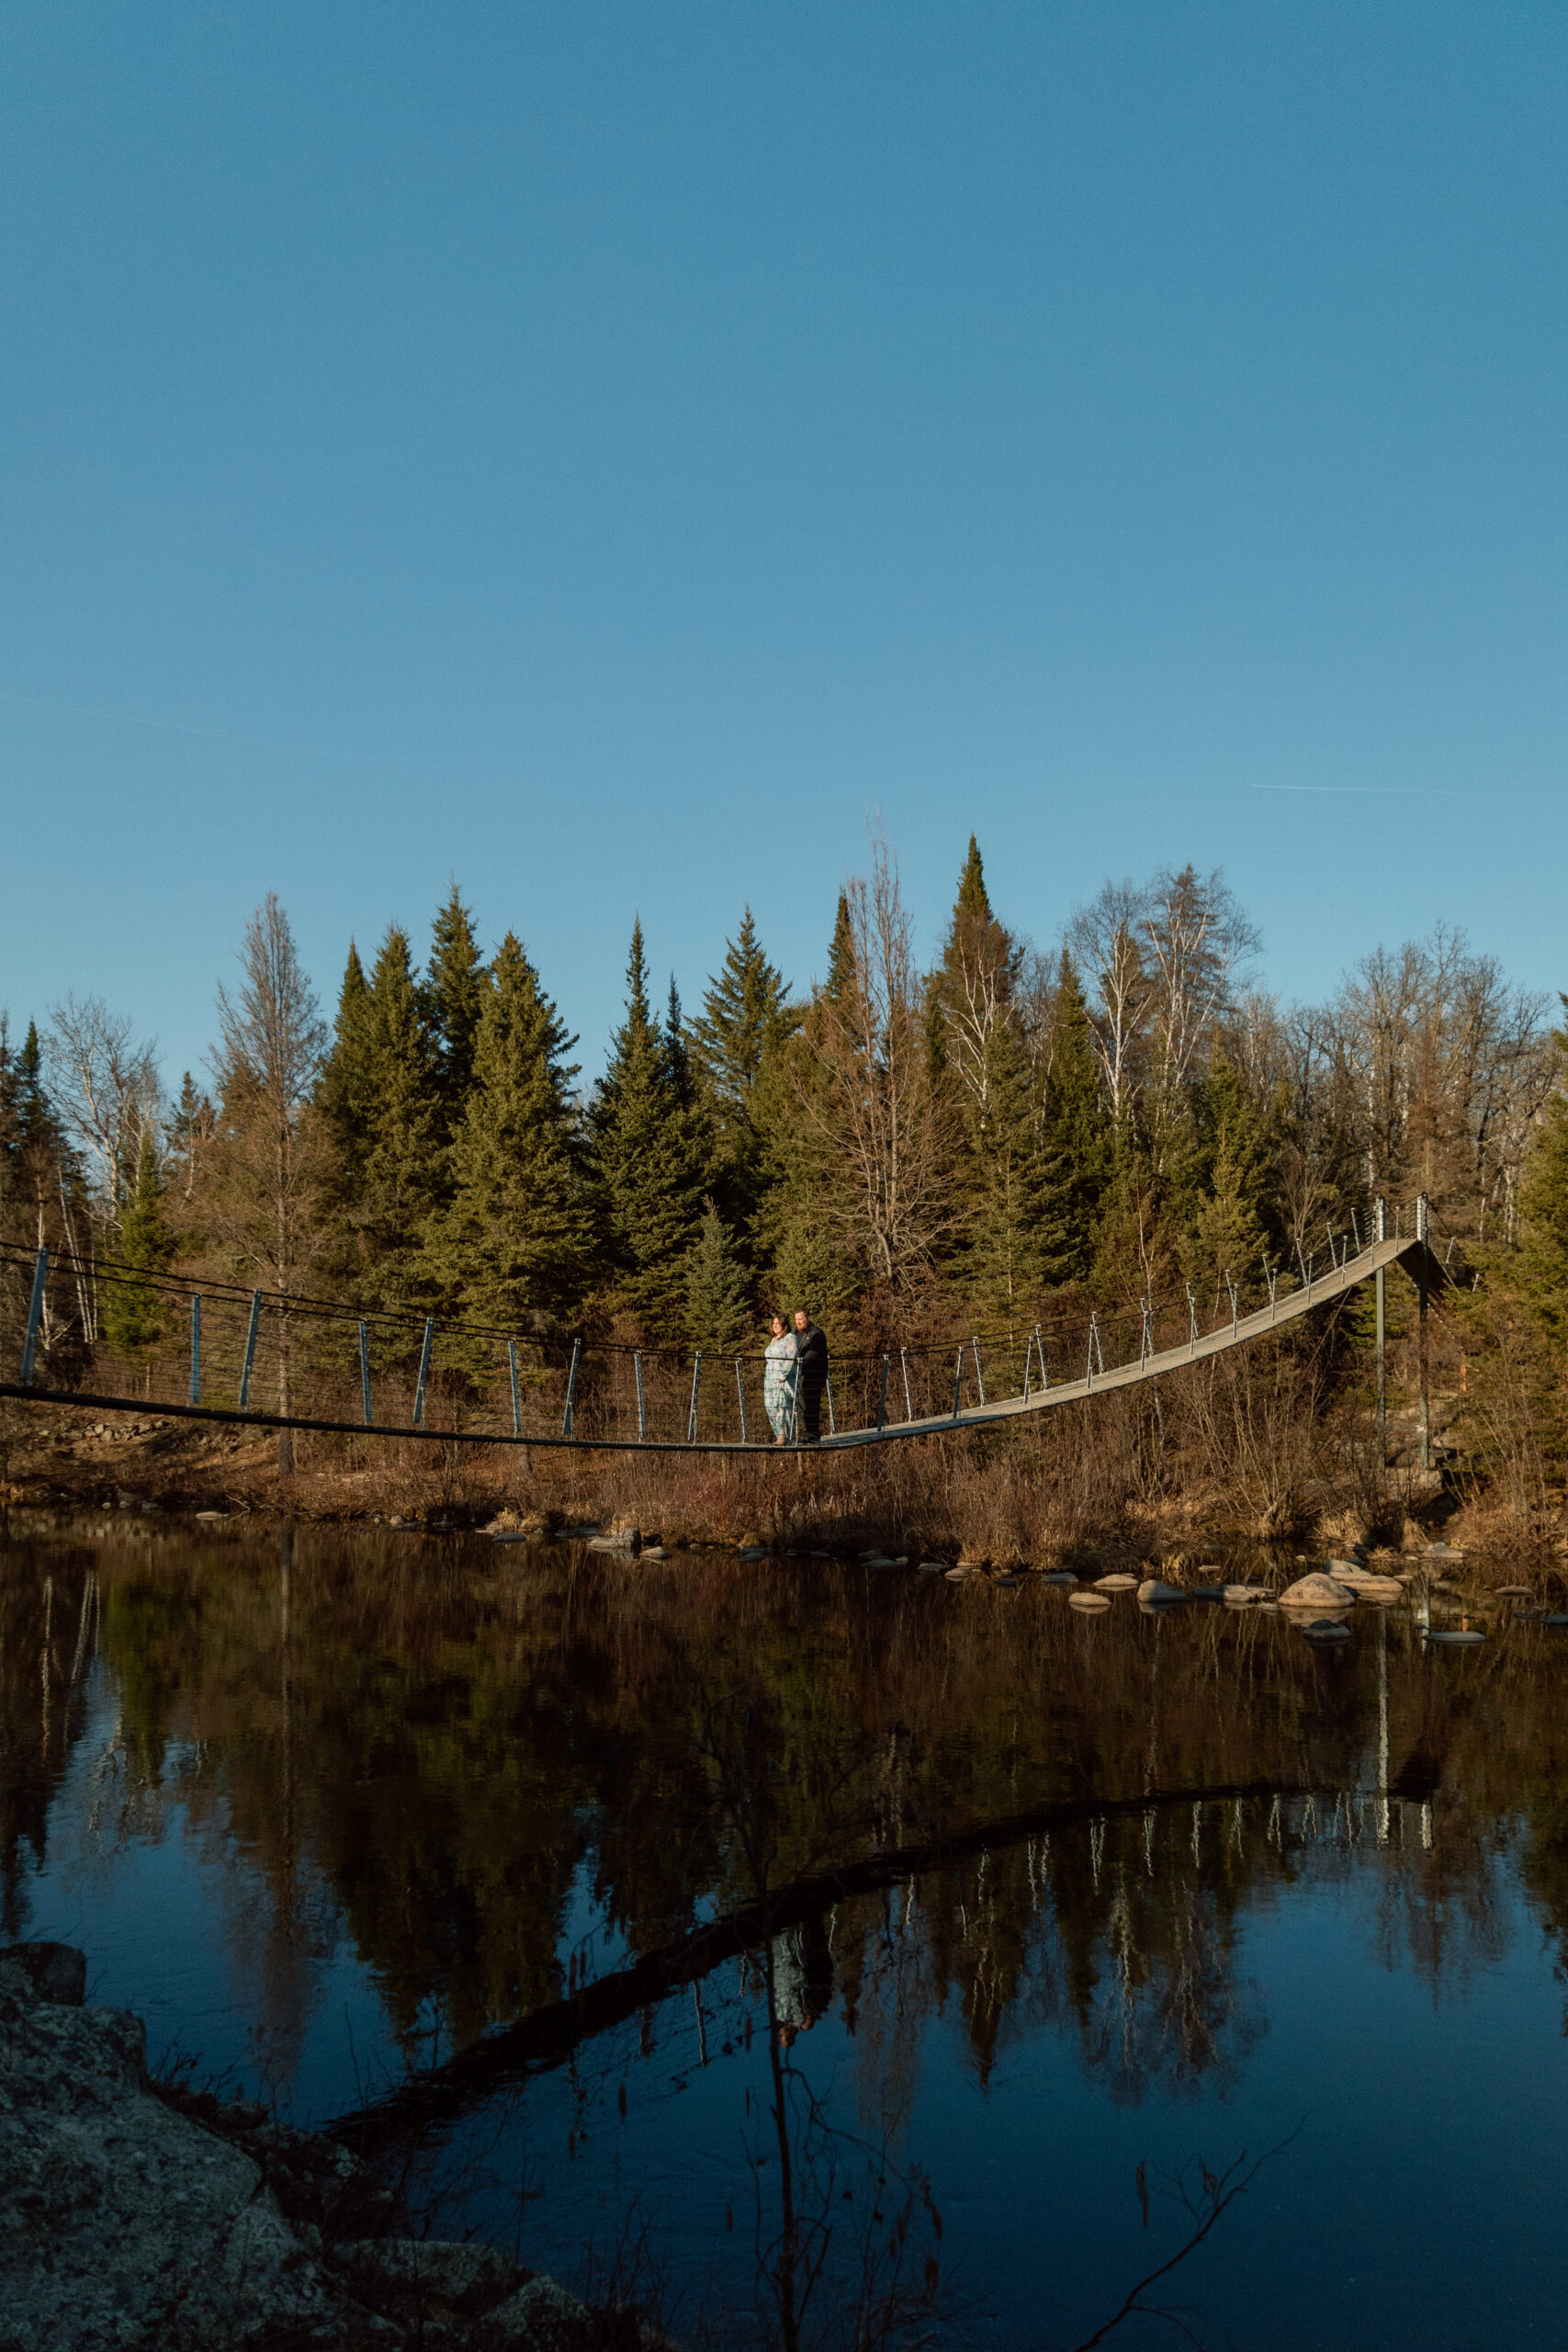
[894, 1147]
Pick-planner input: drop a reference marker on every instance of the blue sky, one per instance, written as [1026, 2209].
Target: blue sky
[608, 453]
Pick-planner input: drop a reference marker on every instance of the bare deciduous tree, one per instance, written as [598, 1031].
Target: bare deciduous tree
[866, 1096]
[104, 1081]
[261, 1200]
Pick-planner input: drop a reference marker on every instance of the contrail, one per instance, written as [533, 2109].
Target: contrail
[1398, 791]
[180, 726]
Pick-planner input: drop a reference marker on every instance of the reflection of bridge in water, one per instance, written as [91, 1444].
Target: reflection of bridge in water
[218, 1348]
[553, 2033]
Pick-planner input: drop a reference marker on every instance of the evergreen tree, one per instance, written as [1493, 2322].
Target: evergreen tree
[514, 1243]
[398, 1172]
[345, 1091]
[453, 1003]
[1232, 1159]
[840, 953]
[1076, 1158]
[746, 1022]
[715, 1287]
[134, 1312]
[648, 1172]
[34, 1120]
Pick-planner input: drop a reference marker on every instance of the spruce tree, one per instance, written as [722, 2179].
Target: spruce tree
[134, 1312]
[35, 1119]
[840, 953]
[514, 1243]
[453, 1002]
[1232, 1161]
[1077, 1157]
[715, 1287]
[398, 1179]
[648, 1173]
[746, 1022]
[345, 1090]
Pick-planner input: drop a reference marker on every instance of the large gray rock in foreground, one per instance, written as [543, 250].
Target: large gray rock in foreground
[120, 2222]
[131, 2221]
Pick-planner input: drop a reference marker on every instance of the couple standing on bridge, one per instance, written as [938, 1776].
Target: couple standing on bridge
[794, 1374]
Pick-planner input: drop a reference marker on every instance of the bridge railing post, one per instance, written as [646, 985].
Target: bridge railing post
[882, 1400]
[252, 1331]
[35, 1316]
[516, 1392]
[957, 1382]
[909, 1400]
[741, 1392]
[424, 1370]
[641, 1400]
[979, 1370]
[696, 1383]
[566, 1417]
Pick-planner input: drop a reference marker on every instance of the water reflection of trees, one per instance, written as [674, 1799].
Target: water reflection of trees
[443, 1750]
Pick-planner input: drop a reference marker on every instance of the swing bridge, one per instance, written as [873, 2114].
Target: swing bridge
[266, 1360]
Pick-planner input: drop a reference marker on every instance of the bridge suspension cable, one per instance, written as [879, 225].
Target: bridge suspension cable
[221, 1353]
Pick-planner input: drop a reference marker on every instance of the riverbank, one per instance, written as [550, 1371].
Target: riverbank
[1067, 1489]
[140, 2216]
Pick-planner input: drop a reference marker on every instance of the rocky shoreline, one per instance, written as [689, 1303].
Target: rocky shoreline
[135, 2217]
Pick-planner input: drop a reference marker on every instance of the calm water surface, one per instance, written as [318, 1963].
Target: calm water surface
[1064, 1908]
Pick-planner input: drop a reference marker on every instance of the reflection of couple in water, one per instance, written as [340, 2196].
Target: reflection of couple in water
[794, 1374]
[803, 1977]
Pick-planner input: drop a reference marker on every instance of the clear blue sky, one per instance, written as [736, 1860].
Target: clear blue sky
[606, 452]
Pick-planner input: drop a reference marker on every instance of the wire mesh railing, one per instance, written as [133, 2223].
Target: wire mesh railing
[92, 1331]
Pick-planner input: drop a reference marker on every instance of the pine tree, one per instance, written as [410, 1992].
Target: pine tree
[134, 1313]
[513, 1244]
[648, 1173]
[453, 1001]
[715, 1287]
[1078, 1156]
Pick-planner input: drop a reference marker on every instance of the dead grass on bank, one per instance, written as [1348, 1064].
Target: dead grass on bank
[1264, 1442]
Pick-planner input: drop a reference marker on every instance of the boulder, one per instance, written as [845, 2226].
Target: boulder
[1095, 1601]
[933, 1568]
[543, 2316]
[1243, 1595]
[1152, 1590]
[121, 2222]
[57, 1973]
[468, 2275]
[1317, 1592]
[1117, 1582]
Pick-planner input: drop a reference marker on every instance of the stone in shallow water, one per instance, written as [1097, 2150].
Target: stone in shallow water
[1095, 1601]
[1208, 1592]
[1152, 1590]
[1317, 1592]
[1116, 1583]
[1459, 1638]
[1327, 1631]
[933, 1568]
[1059, 1576]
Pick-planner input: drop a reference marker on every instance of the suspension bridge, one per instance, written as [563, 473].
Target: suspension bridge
[216, 1350]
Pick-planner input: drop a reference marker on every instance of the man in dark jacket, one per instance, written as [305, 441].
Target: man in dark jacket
[812, 1357]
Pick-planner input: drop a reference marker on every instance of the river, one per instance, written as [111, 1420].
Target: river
[1066, 1922]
